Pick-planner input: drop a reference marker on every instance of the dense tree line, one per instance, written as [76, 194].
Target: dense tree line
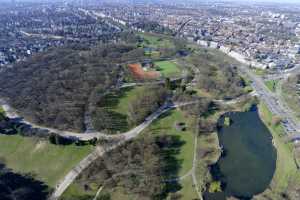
[139, 168]
[146, 102]
[136, 167]
[20, 187]
[53, 88]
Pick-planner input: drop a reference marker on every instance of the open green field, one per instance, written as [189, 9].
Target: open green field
[156, 41]
[124, 97]
[117, 104]
[48, 163]
[75, 192]
[165, 125]
[187, 190]
[167, 68]
[286, 170]
[272, 85]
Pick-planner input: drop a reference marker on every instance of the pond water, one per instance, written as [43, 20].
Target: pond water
[248, 162]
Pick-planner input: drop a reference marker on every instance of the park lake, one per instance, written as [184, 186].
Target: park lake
[248, 161]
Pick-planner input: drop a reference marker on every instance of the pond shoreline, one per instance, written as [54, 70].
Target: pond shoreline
[269, 142]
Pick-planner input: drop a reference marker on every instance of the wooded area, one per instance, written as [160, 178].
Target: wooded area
[20, 187]
[136, 167]
[53, 88]
[217, 75]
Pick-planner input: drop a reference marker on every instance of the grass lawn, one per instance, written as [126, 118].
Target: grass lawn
[187, 191]
[165, 125]
[286, 169]
[272, 85]
[167, 68]
[125, 97]
[75, 191]
[156, 41]
[48, 163]
[117, 104]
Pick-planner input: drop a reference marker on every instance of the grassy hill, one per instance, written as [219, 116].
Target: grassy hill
[167, 68]
[123, 109]
[46, 162]
[166, 125]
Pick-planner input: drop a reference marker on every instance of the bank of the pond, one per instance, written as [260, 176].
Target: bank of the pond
[286, 173]
[248, 162]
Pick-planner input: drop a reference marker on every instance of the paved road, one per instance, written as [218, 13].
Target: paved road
[125, 85]
[274, 103]
[98, 193]
[10, 113]
[236, 100]
[282, 74]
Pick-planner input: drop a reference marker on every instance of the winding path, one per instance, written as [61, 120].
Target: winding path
[194, 177]
[10, 113]
[100, 151]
